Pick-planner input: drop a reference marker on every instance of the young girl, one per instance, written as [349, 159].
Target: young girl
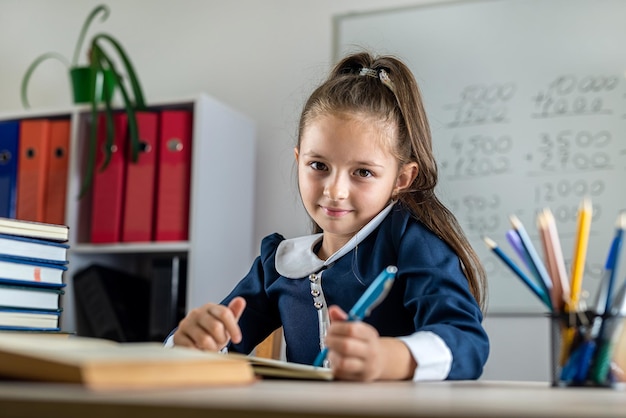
[366, 175]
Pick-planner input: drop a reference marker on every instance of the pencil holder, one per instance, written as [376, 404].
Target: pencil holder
[587, 350]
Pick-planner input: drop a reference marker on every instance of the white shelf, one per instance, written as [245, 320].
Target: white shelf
[220, 249]
[139, 248]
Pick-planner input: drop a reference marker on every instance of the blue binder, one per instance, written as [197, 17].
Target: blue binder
[9, 138]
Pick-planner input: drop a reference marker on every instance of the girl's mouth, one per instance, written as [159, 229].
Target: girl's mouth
[335, 212]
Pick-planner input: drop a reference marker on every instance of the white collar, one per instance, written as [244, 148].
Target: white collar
[295, 257]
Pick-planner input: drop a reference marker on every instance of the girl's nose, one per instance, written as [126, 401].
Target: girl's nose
[337, 188]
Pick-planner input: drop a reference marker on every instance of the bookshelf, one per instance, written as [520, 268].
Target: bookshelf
[220, 249]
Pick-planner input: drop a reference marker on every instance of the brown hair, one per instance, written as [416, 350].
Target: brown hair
[397, 102]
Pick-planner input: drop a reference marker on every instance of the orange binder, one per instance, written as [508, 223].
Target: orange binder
[108, 184]
[140, 182]
[172, 207]
[32, 169]
[56, 181]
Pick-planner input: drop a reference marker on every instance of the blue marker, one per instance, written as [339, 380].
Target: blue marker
[370, 299]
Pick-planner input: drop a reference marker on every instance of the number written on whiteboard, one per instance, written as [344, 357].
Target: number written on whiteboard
[481, 105]
[568, 95]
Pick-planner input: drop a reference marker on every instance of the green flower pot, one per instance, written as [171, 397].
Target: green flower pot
[81, 78]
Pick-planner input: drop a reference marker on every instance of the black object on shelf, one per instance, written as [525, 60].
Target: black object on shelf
[111, 304]
[167, 296]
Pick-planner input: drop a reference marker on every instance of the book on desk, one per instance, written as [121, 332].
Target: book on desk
[101, 364]
[278, 369]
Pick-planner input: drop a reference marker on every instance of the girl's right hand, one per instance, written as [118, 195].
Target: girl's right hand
[211, 326]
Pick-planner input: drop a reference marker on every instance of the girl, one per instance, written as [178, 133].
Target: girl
[366, 175]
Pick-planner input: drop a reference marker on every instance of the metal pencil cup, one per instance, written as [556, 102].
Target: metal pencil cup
[578, 360]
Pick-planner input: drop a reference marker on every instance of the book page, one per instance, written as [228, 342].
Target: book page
[79, 349]
[277, 368]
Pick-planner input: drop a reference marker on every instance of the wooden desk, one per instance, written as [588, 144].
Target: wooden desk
[280, 399]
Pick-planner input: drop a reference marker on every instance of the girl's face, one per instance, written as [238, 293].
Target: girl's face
[347, 173]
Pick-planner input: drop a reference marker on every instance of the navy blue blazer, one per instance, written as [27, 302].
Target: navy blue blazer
[430, 293]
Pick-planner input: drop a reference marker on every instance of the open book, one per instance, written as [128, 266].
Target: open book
[286, 370]
[103, 364]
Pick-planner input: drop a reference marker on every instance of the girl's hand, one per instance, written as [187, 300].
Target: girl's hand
[357, 352]
[354, 348]
[211, 327]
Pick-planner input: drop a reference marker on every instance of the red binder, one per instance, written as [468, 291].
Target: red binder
[172, 202]
[140, 182]
[31, 169]
[56, 181]
[108, 184]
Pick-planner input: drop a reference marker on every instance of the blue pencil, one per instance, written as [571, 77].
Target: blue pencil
[537, 267]
[527, 281]
[371, 298]
[611, 265]
[604, 304]
[516, 243]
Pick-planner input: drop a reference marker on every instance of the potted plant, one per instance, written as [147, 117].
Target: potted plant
[96, 83]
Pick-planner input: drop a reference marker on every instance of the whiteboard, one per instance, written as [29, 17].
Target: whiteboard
[526, 101]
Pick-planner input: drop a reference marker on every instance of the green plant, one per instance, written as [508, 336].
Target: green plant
[96, 83]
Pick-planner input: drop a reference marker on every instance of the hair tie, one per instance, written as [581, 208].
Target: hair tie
[384, 78]
[368, 72]
[381, 74]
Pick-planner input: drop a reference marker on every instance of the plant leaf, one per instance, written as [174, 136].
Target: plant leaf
[108, 113]
[99, 66]
[130, 70]
[128, 105]
[31, 68]
[83, 31]
[93, 130]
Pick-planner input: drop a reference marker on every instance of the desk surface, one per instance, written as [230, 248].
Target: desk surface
[281, 398]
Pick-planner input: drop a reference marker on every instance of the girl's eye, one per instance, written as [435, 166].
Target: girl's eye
[316, 165]
[362, 172]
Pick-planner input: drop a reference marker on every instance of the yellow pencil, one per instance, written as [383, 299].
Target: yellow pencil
[580, 252]
[576, 279]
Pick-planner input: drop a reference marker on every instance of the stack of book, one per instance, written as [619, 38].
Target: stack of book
[33, 257]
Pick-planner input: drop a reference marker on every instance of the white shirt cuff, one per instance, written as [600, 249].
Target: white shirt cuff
[432, 354]
[169, 342]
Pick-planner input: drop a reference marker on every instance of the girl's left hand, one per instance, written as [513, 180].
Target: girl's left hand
[355, 351]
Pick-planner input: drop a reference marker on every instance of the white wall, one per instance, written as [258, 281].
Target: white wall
[262, 57]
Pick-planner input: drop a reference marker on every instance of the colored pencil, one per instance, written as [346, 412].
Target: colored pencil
[600, 331]
[538, 291]
[554, 259]
[537, 266]
[578, 266]
[580, 252]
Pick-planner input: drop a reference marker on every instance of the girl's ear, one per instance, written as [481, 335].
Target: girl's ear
[296, 154]
[407, 174]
